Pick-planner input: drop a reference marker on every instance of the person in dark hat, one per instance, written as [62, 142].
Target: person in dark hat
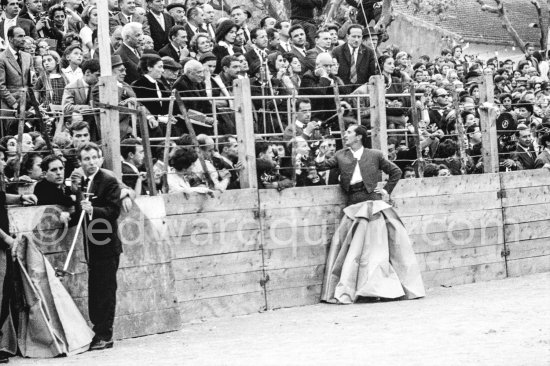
[371, 38]
[171, 71]
[177, 11]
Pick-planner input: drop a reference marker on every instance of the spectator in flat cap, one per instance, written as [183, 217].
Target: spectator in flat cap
[171, 71]
[177, 11]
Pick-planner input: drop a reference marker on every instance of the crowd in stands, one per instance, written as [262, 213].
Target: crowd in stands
[50, 72]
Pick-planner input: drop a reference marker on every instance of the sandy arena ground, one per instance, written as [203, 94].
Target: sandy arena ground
[505, 323]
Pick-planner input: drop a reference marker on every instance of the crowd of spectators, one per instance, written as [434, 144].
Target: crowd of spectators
[51, 56]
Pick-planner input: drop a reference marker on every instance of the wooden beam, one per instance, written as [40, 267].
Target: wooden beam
[377, 90]
[148, 158]
[108, 93]
[420, 163]
[489, 145]
[245, 133]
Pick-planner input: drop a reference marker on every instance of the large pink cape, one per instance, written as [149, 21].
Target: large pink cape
[371, 256]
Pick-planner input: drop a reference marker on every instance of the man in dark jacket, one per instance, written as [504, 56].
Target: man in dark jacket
[303, 12]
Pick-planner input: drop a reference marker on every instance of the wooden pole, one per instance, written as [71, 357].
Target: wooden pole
[148, 158]
[461, 134]
[420, 163]
[487, 125]
[166, 156]
[108, 94]
[339, 112]
[379, 127]
[20, 130]
[245, 132]
[294, 144]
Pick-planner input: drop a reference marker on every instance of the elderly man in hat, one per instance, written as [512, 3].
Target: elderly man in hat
[177, 11]
[171, 71]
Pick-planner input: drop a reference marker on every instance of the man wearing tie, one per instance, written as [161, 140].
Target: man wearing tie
[128, 15]
[195, 21]
[128, 51]
[177, 47]
[15, 74]
[101, 243]
[209, 18]
[284, 42]
[357, 63]
[298, 38]
[77, 96]
[240, 15]
[160, 23]
[257, 55]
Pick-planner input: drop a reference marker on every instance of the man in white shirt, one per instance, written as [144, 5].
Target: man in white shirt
[284, 38]
[240, 15]
[195, 22]
[128, 15]
[209, 18]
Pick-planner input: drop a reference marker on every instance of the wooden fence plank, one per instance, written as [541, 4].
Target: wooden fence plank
[463, 275]
[302, 197]
[298, 236]
[211, 222]
[526, 196]
[294, 277]
[290, 297]
[436, 186]
[302, 216]
[525, 178]
[529, 248]
[527, 230]
[217, 265]
[238, 199]
[152, 322]
[453, 221]
[219, 286]
[216, 243]
[517, 214]
[295, 257]
[220, 307]
[447, 240]
[527, 266]
[460, 257]
[444, 204]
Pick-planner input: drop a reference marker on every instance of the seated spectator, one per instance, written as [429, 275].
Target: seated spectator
[50, 85]
[310, 130]
[128, 51]
[267, 171]
[408, 172]
[543, 159]
[320, 82]
[226, 34]
[181, 178]
[219, 178]
[74, 57]
[51, 190]
[444, 171]
[431, 170]
[304, 164]
[132, 155]
[524, 156]
[191, 84]
[78, 96]
[327, 149]
[80, 134]
[228, 159]
[200, 45]
[171, 71]
[30, 170]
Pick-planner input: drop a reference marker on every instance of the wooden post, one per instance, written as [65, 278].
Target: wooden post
[461, 134]
[245, 132]
[489, 145]
[20, 130]
[148, 158]
[166, 155]
[487, 125]
[339, 112]
[377, 92]
[294, 144]
[419, 166]
[108, 94]
[487, 89]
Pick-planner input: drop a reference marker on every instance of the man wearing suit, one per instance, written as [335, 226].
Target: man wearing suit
[257, 55]
[101, 243]
[524, 156]
[15, 74]
[159, 23]
[77, 96]
[320, 82]
[12, 19]
[543, 159]
[322, 44]
[131, 152]
[128, 51]
[357, 63]
[327, 149]
[361, 168]
[195, 21]
[298, 39]
[127, 15]
[177, 46]
[209, 20]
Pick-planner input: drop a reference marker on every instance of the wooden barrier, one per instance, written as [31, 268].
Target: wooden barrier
[246, 251]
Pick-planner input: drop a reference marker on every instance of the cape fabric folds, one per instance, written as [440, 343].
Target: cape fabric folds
[371, 256]
[50, 323]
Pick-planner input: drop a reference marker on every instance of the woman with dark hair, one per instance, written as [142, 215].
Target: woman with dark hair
[226, 33]
[295, 70]
[182, 178]
[149, 85]
[200, 44]
[397, 108]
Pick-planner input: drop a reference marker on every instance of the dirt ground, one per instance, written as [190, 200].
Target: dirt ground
[505, 323]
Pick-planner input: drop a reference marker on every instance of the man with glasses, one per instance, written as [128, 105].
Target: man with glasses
[440, 112]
